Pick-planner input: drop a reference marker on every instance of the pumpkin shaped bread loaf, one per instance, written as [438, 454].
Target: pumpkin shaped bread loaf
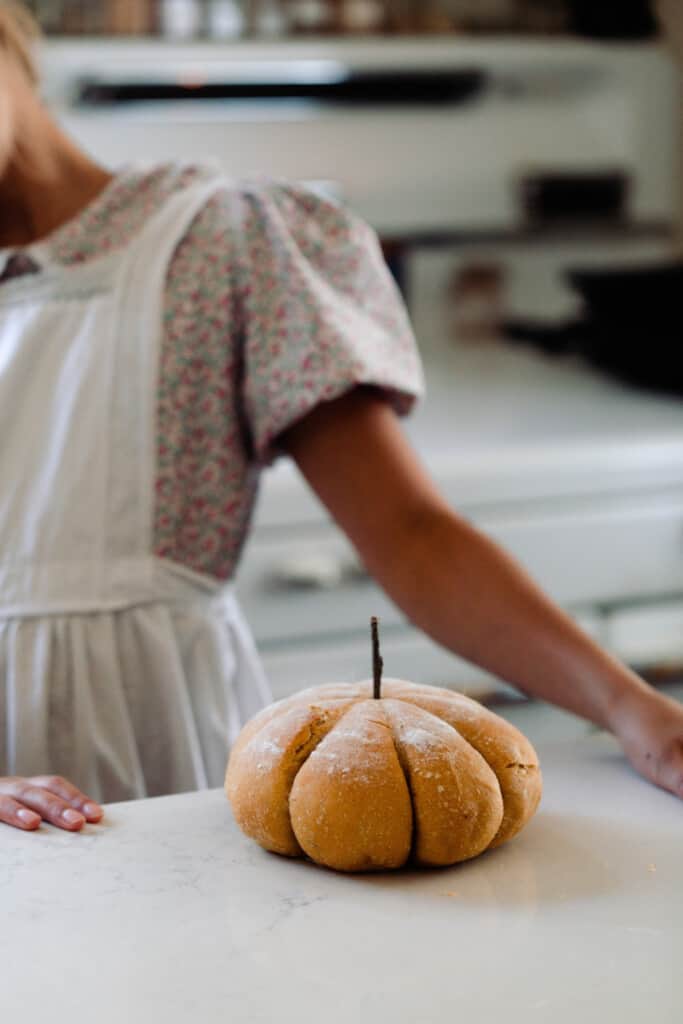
[422, 775]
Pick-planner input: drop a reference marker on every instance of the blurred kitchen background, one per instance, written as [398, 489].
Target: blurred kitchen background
[521, 161]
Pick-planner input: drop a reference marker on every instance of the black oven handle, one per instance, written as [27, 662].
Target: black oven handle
[356, 88]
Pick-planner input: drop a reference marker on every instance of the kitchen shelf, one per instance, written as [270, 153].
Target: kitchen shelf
[366, 50]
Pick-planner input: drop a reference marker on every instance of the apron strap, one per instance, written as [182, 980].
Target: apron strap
[141, 290]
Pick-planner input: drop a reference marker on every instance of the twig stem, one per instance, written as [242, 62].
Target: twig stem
[377, 663]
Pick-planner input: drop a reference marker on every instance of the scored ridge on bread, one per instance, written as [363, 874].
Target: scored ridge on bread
[506, 750]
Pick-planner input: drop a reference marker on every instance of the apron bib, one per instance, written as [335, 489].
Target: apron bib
[127, 674]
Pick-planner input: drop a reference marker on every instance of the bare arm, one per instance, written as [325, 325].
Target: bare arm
[456, 584]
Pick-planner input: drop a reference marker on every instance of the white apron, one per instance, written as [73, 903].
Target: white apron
[125, 673]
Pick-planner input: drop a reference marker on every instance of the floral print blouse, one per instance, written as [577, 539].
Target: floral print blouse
[276, 299]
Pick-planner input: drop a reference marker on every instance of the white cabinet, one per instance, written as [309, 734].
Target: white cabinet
[647, 634]
[600, 550]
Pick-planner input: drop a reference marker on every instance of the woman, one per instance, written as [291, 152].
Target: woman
[163, 334]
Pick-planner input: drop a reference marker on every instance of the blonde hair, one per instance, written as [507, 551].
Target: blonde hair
[18, 33]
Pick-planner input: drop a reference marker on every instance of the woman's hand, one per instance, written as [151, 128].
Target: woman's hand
[24, 803]
[649, 727]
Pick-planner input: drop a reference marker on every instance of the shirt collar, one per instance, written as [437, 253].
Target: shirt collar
[33, 258]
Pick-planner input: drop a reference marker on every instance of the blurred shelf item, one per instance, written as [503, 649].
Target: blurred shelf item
[365, 16]
[74, 17]
[574, 197]
[180, 19]
[485, 16]
[103, 17]
[311, 17]
[225, 19]
[542, 16]
[126, 17]
[477, 291]
[629, 19]
[268, 18]
[229, 19]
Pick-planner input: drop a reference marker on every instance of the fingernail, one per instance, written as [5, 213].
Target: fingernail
[73, 817]
[92, 810]
[28, 817]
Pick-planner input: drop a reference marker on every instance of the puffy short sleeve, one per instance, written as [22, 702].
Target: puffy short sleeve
[321, 312]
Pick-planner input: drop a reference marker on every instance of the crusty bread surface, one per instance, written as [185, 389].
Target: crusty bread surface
[423, 775]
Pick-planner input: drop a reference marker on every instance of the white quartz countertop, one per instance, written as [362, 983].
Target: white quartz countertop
[167, 913]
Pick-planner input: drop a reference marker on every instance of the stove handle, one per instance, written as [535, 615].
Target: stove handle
[351, 88]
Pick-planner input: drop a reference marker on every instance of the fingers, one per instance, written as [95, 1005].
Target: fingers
[72, 796]
[25, 802]
[15, 814]
[44, 803]
[48, 805]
